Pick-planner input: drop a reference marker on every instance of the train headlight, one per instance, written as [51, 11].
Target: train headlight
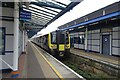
[67, 46]
[53, 46]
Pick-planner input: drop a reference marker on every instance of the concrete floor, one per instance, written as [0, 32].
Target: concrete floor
[59, 68]
[36, 66]
[63, 70]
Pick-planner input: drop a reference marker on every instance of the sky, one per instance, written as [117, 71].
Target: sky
[85, 7]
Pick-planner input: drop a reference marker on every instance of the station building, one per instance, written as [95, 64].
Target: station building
[97, 32]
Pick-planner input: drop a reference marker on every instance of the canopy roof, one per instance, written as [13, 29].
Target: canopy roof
[44, 12]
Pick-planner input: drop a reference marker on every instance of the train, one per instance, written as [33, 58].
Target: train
[57, 43]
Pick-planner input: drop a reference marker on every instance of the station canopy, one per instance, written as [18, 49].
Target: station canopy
[44, 12]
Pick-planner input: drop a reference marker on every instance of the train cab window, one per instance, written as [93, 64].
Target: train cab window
[62, 39]
[2, 41]
[53, 38]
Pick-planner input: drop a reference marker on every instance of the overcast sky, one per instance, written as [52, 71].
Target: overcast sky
[85, 7]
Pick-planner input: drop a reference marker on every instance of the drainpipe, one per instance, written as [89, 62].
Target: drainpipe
[86, 39]
[16, 35]
[25, 38]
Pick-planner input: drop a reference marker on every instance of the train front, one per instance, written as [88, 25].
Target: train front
[63, 43]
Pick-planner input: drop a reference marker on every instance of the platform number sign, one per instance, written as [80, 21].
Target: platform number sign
[24, 15]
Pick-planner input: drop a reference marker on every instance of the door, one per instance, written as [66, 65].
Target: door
[106, 44]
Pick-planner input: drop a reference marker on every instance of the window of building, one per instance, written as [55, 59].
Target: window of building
[76, 40]
[81, 39]
[2, 41]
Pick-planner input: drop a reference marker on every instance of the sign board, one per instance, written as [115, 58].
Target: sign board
[24, 15]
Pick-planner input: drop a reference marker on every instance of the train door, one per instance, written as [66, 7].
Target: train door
[106, 44]
[60, 40]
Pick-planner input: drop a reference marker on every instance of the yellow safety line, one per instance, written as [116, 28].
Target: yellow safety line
[58, 74]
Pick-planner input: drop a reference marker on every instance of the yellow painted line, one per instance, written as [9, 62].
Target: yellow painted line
[58, 74]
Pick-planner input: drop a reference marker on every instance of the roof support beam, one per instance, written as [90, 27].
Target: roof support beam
[41, 15]
[68, 8]
[38, 12]
[41, 19]
[50, 9]
[48, 4]
[34, 23]
[42, 10]
[59, 2]
[38, 16]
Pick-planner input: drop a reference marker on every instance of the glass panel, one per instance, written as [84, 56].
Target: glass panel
[53, 38]
[81, 39]
[1, 41]
[64, 1]
[56, 1]
[62, 39]
[43, 9]
[76, 40]
[67, 38]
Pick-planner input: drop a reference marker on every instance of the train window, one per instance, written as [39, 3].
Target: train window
[72, 40]
[2, 39]
[67, 38]
[45, 40]
[53, 38]
[62, 39]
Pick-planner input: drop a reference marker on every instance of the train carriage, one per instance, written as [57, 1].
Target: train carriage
[56, 43]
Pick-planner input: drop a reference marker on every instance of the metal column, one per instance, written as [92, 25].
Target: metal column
[1, 42]
[23, 42]
[16, 35]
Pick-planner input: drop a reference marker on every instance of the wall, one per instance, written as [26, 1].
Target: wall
[8, 23]
[20, 42]
[116, 41]
[95, 40]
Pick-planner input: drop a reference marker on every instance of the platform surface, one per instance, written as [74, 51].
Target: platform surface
[39, 64]
[36, 66]
[111, 60]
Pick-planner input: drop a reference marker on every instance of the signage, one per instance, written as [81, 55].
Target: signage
[24, 15]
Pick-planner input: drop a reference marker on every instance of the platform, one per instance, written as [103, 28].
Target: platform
[97, 63]
[111, 60]
[37, 63]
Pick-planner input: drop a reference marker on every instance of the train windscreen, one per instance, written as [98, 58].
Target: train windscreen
[62, 39]
[53, 38]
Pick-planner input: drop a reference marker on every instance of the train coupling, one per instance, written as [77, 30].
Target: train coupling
[61, 54]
